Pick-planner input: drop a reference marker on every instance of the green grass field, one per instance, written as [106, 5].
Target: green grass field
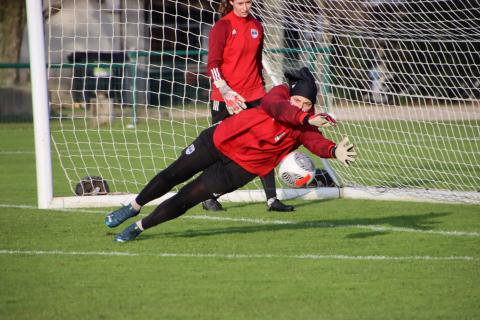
[335, 259]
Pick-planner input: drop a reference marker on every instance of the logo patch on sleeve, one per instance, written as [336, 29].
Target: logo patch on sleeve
[190, 149]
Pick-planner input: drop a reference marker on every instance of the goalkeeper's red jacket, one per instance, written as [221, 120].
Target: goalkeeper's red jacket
[257, 139]
[235, 48]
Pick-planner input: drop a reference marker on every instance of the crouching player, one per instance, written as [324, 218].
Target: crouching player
[235, 151]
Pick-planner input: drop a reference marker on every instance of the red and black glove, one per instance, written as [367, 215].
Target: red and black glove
[321, 120]
[234, 102]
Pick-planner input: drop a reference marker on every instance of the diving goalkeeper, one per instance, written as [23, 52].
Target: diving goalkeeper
[234, 152]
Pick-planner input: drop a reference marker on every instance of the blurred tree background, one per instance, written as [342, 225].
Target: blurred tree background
[12, 22]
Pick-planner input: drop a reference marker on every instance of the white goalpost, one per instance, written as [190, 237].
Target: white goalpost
[38, 78]
[122, 88]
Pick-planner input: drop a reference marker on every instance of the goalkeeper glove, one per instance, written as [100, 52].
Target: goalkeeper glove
[322, 120]
[344, 152]
[234, 102]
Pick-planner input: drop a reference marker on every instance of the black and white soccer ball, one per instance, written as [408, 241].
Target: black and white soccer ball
[296, 170]
[92, 186]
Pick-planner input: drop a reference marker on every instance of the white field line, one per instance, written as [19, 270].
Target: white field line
[231, 256]
[288, 222]
[17, 152]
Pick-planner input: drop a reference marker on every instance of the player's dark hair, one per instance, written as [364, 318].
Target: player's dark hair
[225, 7]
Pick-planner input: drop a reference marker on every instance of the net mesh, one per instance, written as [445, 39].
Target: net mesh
[129, 88]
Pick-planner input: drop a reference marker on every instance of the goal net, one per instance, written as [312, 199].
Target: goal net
[129, 90]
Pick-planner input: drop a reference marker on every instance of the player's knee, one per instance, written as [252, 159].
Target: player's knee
[194, 194]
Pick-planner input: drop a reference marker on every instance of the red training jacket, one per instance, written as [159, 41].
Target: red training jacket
[235, 47]
[257, 139]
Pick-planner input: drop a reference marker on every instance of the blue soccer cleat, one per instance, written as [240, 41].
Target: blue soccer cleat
[118, 216]
[129, 234]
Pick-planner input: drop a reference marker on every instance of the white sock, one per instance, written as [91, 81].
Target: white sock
[135, 205]
[139, 224]
[271, 200]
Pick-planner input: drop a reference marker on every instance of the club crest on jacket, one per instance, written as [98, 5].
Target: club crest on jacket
[190, 149]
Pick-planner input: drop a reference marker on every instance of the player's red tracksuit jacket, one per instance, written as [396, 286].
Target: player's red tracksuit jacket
[235, 47]
[257, 139]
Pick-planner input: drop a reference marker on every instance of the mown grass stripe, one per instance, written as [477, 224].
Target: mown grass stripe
[454, 233]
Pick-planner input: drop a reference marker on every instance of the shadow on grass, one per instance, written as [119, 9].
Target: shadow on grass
[240, 205]
[420, 222]
[368, 234]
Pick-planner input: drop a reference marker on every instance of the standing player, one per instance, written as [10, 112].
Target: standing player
[235, 48]
[234, 152]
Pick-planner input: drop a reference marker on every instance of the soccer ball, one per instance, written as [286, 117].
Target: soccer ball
[296, 170]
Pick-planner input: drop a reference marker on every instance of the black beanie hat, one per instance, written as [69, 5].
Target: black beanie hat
[302, 83]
